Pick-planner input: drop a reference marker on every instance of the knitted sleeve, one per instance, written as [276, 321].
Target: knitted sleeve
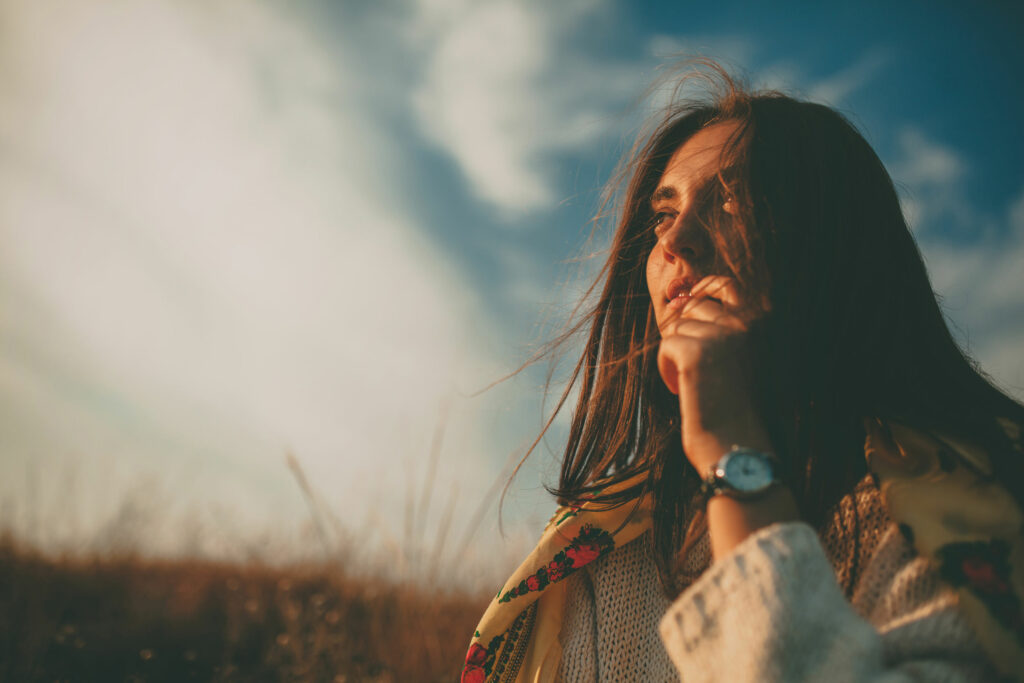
[773, 611]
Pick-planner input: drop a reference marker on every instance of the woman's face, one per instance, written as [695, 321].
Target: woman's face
[683, 254]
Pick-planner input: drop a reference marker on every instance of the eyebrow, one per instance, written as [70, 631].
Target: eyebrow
[666, 192]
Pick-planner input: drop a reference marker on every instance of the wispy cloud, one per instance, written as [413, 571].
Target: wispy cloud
[501, 94]
[926, 163]
[974, 257]
[202, 267]
[980, 285]
[930, 175]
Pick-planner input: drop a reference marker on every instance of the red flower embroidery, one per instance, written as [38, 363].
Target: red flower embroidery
[477, 655]
[584, 554]
[982, 575]
[554, 571]
[532, 583]
[472, 674]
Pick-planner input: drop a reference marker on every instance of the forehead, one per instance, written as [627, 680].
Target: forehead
[696, 159]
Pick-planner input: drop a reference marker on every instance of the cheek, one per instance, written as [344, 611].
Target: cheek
[655, 266]
[653, 275]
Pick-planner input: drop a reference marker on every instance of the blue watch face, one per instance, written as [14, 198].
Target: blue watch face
[748, 472]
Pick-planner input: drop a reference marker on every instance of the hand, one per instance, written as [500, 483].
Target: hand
[703, 359]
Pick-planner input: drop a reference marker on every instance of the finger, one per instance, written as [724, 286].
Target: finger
[688, 340]
[709, 311]
[703, 329]
[702, 308]
[718, 287]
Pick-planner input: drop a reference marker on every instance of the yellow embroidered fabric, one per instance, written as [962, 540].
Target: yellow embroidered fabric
[943, 496]
[517, 638]
[938, 490]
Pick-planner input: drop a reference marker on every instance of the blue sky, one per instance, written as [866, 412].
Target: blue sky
[239, 229]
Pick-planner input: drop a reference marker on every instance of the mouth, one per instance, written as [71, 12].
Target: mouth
[678, 292]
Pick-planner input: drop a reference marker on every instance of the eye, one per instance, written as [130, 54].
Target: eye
[661, 221]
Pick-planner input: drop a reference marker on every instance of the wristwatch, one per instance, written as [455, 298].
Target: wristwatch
[742, 473]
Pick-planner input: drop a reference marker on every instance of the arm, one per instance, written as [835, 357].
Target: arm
[770, 609]
[701, 359]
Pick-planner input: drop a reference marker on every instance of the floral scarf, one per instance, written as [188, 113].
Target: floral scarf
[939, 491]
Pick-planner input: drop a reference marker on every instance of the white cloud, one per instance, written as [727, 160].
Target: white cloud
[202, 266]
[502, 91]
[978, 279]
[479, 100]
[980, 285]
[930, 177]
[925, 162]
[500, 95]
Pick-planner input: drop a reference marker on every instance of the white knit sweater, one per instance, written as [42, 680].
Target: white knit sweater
[770, 611]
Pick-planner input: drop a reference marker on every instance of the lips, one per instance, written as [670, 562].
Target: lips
[678, 291]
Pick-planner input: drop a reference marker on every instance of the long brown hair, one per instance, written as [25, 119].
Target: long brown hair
[854, 330]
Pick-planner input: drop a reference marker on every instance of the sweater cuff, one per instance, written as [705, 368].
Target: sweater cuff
[749, 607]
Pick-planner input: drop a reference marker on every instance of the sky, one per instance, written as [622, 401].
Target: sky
[234, 231]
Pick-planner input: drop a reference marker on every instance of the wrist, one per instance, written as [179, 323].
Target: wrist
[743, 473]
[704, 451]
[731, 521]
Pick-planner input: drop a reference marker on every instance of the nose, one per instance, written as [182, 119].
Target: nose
[684, 240]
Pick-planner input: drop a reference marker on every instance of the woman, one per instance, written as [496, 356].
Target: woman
[781, 466]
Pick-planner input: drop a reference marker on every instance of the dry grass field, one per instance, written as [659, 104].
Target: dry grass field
[132, 619]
